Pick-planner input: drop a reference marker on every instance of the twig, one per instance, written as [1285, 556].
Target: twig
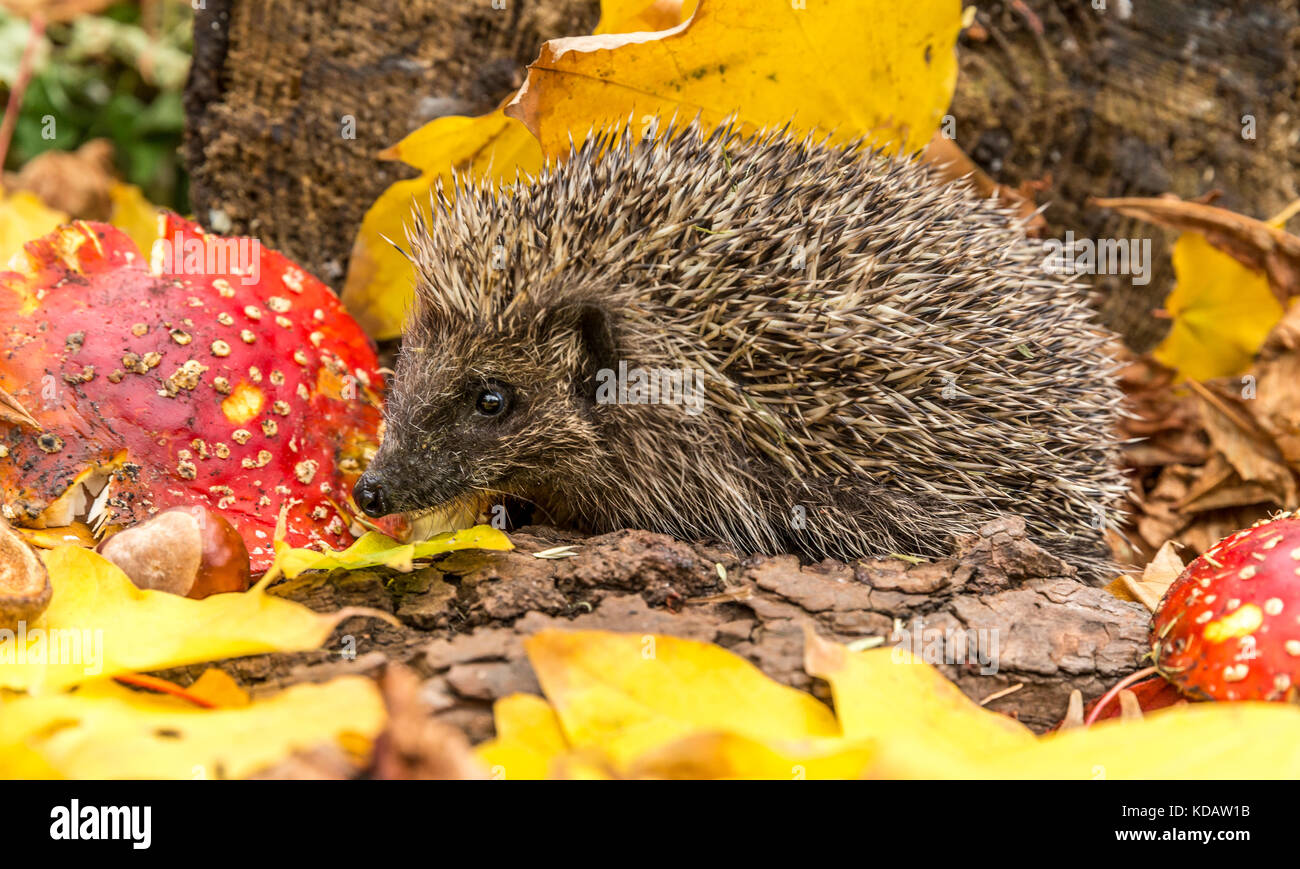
[1118, 687]
[36, 30]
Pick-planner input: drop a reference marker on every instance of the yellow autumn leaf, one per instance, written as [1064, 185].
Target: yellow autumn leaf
[136, 216]
[380, 281]
[373, 549]
[23, 217]
[907, 706]
[528, 738]
[876, 69]
[732, 756]
[1193, 741]
[630, 16]
[106, 731]
[99, 624]
[1222, 311]
[647, 706]
[625, 694]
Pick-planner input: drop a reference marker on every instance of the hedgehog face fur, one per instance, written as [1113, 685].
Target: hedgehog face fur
[484, 412]
[886, 362]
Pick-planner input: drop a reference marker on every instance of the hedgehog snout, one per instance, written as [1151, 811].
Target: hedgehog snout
[370, 496]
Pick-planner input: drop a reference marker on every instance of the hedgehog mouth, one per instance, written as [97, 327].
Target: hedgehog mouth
[456, 514]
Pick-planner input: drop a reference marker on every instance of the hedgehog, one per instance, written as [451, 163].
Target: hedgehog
[767, 340]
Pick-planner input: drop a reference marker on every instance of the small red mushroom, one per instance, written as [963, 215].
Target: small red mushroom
[1229, 626]
[214, 372]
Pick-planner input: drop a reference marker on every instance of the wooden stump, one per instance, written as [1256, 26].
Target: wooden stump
[289, 101]
[1136, 99]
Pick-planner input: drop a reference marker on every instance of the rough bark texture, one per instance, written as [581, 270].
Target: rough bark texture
[1136, 99]
[464, 618]
[275, 82]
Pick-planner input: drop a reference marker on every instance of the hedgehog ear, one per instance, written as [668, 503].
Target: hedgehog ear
[595, 335]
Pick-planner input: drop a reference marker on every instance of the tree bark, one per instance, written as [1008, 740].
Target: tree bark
[1000, 614]
[1134, 99]
[289, 102]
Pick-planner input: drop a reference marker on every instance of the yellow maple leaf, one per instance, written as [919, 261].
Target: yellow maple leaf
[105, 731]
[630, 16]
[373, 549]
[884, 71]
[1222, 312]
[627, 705]
[23, 217]
[906, 705]
[380, 280]
[626, 693]
[99, 624]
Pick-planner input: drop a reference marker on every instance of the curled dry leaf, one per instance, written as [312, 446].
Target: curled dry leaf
[24, 582]
[1155, 580]
[78, 183]
[1256, 244]
[414, 745]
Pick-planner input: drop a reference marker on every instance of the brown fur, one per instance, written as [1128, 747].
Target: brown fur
[884, 355]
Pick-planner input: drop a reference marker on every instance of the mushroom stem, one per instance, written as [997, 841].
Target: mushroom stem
[1114, 691]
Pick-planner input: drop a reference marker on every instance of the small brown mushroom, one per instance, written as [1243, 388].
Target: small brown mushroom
[24, 583]
[189, 551]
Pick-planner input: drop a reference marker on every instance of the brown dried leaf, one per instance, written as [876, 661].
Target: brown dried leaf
[1251, 242]
[415, 745]
[1247, 447]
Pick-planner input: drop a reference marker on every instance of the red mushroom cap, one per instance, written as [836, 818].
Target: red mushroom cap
[215, 372]
[1229, 626]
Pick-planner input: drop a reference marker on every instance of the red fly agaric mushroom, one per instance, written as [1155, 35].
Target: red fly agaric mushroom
[1229, 626]
[212, 373]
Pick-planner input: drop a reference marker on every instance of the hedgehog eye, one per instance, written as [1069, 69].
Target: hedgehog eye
[490, 402]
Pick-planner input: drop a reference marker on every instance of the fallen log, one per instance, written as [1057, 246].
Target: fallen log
[1002, 618]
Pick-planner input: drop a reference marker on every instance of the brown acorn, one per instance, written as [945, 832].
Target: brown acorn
[189, 551]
